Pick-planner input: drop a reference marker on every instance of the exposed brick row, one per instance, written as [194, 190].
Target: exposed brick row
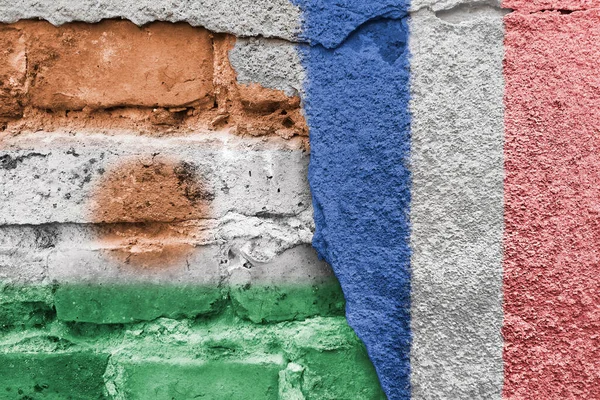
[74, 277]
[236, 366]
[51, 177]
[116, 74]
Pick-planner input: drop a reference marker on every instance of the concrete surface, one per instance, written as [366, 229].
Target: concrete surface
[272, 63]
[269, 18]
[456, 213]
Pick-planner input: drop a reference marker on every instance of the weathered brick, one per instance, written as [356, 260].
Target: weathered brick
[256, 98]
[52, 376]
[116, 63]
[99, 287]
[186, 379]
[13, 64]
[53, 177]
[158, 77]
[295, 285]
[29, 314]
[25, 305]
[21, 265]
[109, 303]
[326, 370]
[23, 253]
[98, 265]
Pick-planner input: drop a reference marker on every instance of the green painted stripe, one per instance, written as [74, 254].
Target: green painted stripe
[284, 302]
[319, 358]
[252, 341]
[76, 376]
[109, 303]
[123, 303]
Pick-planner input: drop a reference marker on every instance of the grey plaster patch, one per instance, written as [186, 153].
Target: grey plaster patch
[269, 18]
[456, 207]
[438, 5]
[273, 63]
[299, 265]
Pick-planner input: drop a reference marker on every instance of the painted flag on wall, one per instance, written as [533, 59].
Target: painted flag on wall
[453, 182]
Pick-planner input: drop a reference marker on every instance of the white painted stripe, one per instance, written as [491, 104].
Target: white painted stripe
[241, 250]
[457, 205]
[51, 177]
[261, 209]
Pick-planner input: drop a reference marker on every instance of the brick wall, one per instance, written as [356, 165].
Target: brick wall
[156, 221]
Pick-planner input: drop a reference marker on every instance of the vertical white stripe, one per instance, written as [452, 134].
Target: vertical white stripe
[457, 203]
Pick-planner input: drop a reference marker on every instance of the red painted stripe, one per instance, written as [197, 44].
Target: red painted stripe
[537, 5]
[552, 195]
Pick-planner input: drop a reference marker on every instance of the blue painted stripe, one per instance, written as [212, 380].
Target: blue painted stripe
[357, 99]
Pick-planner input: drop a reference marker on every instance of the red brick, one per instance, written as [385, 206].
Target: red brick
[116, 63]
[13, 64]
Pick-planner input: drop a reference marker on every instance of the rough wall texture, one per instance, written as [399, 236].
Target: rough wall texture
[456, 206]
[156, 220]
[270, 18]
[360, 181]
[552, 168]
[156, 217]
[550, 5]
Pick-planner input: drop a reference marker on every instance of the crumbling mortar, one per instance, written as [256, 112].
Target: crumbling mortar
[559, 10]
[468, 12]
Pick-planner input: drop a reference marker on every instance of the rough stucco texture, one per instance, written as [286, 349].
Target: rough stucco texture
[270, 18]
[360, 143]
[273, 63]
[539, 5]
[551, 286]
[329, 23]
[456, 205]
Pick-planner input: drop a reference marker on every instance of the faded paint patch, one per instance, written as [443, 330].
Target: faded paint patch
[137, 193]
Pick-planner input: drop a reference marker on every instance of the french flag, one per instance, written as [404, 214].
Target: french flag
[455, 172]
